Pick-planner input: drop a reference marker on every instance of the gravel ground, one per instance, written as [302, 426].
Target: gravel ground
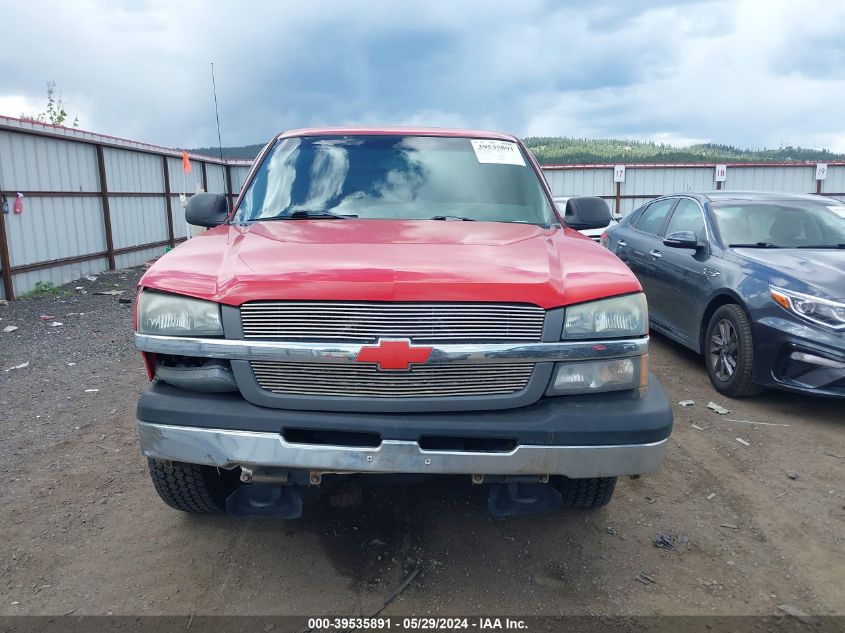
[83, 530]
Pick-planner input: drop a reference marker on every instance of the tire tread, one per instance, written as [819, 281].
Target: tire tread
[586, 494]
[188, 487]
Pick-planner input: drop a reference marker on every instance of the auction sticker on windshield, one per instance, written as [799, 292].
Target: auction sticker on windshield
[498, 152]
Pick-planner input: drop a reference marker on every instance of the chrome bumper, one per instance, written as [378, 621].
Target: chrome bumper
[328, 352]
[227, 449]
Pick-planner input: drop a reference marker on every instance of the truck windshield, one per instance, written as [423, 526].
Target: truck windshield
[396, 177]
[779, 224]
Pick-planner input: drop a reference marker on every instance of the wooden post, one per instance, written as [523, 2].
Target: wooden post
[618, 197]
[104, 196]
[204, 178]
[5, 264]
[168, 201]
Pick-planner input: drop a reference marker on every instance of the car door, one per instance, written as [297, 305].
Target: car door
[680, 277]
[642, 242]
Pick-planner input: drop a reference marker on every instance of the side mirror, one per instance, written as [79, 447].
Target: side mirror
[682, 239]
[586, 213]
[207, 209]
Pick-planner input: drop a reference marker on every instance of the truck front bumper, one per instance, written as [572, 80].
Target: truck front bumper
[227, 449]
[601, 435]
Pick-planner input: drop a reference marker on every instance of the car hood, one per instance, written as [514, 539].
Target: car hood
[391, 260]
[812, 271]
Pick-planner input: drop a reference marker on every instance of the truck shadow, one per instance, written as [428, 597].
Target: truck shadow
[372, 532]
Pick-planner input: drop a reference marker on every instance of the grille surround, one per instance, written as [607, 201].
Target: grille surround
[367, 381]
[366, 322]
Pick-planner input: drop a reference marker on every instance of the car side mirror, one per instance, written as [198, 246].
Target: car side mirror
[586, 212]
[207, 209]
[682, 239]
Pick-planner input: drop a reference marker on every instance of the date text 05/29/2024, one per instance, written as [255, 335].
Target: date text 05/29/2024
[416, 624]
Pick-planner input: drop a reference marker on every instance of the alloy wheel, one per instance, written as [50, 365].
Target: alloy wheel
[724, 350]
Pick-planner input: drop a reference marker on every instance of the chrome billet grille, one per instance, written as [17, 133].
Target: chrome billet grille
[367, 381]
[366, 322]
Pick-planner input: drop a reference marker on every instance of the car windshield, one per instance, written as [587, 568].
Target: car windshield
[396, 177]
[779, 224]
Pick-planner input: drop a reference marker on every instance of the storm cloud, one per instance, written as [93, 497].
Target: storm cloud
[750, 73]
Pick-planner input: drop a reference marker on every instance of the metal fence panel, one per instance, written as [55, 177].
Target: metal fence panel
[181, 182]
[180, 227]
[137, 221]
[37, 163]
[239, 173]
[581, 182]
[58, 275]
[835, 179]
[216, 176]
[648, 182]
[137, 258]
[798, 179]
[133, 171]
[55, 228]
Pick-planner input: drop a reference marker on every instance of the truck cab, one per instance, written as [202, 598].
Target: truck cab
[394, 301]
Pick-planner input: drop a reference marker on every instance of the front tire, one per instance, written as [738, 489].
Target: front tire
[585, 494]
[729, 352]
[192, 487]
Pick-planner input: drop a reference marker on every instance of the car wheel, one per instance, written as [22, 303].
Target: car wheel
[729, 352]
[585, 494]
[192, 487]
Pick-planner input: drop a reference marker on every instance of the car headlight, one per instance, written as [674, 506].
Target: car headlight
[593, 376]
[173, 315]
[820, 311]
[607, 318]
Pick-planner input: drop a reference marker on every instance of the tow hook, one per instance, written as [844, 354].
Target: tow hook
[523, 497]
[264, 475]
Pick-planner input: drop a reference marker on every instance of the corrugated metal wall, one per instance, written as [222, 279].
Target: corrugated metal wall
[644, 182]
[63, 236]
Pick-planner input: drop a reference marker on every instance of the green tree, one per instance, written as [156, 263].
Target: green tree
[55, 113]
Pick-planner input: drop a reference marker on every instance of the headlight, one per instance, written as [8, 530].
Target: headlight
[617, 374]
[173, 315]
[614, 317]
[821, 311]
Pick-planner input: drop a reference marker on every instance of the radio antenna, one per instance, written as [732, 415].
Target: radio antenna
[216, 113]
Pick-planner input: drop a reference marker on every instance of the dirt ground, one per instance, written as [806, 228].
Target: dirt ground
[84, 532]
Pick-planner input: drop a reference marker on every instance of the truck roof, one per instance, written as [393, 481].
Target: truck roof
[399, 130]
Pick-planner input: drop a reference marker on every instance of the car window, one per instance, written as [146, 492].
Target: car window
[687, 217]
[398, 177]
[652, 219]
[784, 224]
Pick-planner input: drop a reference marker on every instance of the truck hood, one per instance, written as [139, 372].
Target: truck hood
[391, 260]
[816, 272]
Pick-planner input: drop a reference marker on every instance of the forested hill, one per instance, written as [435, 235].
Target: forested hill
[551, 149]
[557, 149]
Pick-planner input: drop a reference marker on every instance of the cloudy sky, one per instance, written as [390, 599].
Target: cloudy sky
[750, 73]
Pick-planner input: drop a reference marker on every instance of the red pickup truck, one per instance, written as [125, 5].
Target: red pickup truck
[394, 301]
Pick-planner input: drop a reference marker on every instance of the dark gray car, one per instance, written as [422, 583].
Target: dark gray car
[753, 281]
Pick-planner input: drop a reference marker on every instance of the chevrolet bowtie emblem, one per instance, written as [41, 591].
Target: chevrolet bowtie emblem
[395, 355]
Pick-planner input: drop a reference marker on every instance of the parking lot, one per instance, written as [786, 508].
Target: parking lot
[751, 504]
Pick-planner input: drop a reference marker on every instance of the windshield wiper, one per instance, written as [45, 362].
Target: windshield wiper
[452, 218]
[755, 245]
[305, 214]
[823, 246]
